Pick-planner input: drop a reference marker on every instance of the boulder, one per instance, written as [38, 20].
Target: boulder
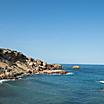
[44, 64]
[76, 67]
[57, 66]
[55, 72]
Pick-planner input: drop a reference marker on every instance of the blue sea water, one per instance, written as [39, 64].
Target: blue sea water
[84, 86]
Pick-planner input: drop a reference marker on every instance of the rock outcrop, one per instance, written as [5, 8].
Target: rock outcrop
[76, 67]
[14, 64]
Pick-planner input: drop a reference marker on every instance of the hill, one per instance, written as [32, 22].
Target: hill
[14, 64]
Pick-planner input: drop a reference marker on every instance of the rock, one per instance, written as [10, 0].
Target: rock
[3, 65]
[44, 64]
[49, 66]
[76, 67]
[23, 66]
[14, 64]
[31, 63]
[55, 72]
[30, 59]
[39, 62]
[2, 76]
[57, 66]
[29, 71]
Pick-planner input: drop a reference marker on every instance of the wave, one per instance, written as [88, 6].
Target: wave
[6, 80]
[70, 73]
[101, 82]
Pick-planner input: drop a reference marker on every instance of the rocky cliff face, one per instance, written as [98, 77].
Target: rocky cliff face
[14, 64]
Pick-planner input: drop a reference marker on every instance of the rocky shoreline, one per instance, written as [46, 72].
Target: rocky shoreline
[14, 64]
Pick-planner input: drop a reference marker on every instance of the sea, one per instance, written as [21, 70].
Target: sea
[79, 86]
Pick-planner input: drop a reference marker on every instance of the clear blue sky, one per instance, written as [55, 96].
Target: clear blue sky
[57, 31]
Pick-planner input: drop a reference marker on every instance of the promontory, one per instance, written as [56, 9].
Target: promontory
[14, 64]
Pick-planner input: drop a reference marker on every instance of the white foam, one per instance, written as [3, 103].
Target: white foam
[70, 73]
[3, 80]
[54, 74]
[101, 82]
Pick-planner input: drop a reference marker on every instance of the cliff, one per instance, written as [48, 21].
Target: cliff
[14, 64]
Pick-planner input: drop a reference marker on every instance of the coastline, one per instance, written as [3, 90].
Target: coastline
[14, 64]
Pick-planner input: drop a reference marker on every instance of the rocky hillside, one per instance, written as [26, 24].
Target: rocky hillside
[14, 64]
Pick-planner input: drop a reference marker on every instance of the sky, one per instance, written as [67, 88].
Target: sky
[57, 31]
